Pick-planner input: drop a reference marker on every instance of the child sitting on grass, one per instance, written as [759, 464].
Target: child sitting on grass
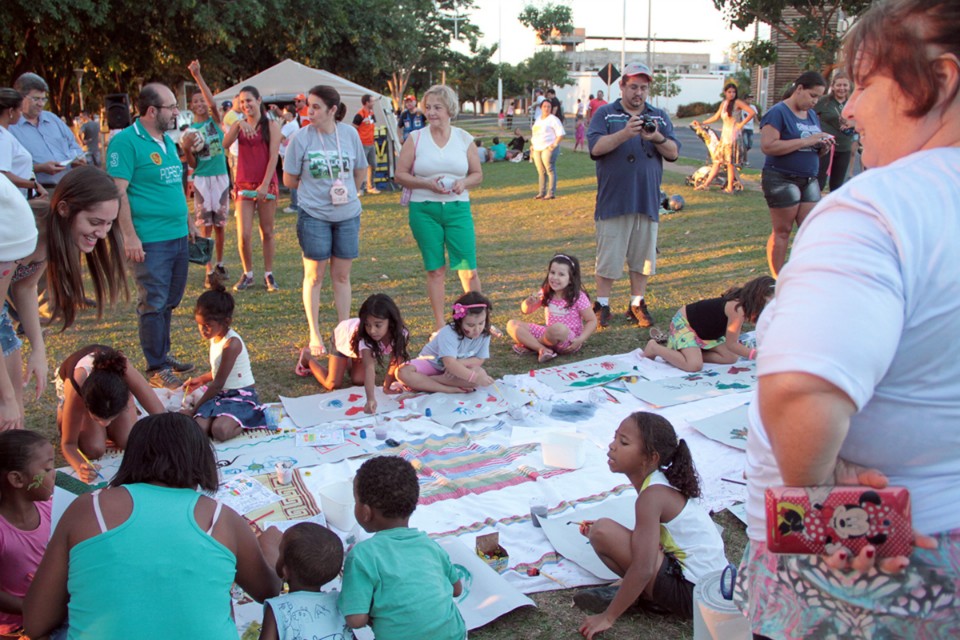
[709, 330]
[674, 542]
[310, 556]
[399, 581]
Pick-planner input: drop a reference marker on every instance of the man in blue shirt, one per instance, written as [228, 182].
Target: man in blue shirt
[629, 159]
[51, 143]
[411, 118]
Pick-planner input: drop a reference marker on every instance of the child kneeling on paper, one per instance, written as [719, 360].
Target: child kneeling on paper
[674, 543]
[310, 556]
[400, 581]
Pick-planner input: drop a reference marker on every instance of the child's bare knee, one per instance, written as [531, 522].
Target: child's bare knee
[224, 429]
[557, 333]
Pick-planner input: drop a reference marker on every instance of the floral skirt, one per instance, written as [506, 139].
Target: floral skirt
[795, 596]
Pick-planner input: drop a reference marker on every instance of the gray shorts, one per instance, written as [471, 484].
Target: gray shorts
[631, 237]
[782, 190]
[371, 154]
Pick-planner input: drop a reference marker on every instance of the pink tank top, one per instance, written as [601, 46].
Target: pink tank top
[252, 159]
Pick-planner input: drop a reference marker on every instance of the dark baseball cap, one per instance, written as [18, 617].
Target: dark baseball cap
[637, 69]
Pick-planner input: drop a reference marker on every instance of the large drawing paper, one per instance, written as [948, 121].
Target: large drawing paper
[450, 408]
[586, 374]
[729, 427]
[566, 539]
[737, 378]
[342, 404]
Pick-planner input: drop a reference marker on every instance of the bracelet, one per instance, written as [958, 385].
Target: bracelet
[753, 354]
[473, 374]
[662, 141]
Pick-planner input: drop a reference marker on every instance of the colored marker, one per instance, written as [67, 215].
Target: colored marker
[261, 517]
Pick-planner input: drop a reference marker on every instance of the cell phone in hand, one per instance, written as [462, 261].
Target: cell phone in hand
[821, 520]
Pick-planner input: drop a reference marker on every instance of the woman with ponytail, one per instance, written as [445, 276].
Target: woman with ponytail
[674, 543]
[96, 388]
[256, 184]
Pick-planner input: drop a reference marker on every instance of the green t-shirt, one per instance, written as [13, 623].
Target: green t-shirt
[211, 160]
[404, 580]
[158, 205]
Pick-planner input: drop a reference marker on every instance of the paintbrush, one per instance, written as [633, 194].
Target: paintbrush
[95, 467]
[512, 411]
[557, 580]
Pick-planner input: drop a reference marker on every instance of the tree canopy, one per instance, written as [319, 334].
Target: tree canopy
[547, 20]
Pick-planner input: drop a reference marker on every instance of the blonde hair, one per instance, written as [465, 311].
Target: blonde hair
[447, 96]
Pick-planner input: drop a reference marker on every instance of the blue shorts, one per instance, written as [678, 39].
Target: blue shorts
[782, 190]
[9, 341]
[319, 239]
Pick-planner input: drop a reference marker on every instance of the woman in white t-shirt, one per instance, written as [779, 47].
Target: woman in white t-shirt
[544, 149]
[16, 163]
[439, 165]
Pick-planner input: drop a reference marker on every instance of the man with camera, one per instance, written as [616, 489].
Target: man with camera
[629, 140]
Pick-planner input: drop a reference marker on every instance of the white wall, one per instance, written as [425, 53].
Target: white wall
[693, 88]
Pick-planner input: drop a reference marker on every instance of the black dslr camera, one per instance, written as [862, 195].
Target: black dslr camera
[649, 123]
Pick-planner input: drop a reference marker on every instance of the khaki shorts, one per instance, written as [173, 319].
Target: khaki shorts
[631, 237]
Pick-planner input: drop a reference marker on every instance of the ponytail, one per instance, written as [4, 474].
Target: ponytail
[680, 471]
[676, 462]
[105, 392]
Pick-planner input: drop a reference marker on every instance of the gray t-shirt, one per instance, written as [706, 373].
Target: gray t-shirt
[447, 343]
[313, 156]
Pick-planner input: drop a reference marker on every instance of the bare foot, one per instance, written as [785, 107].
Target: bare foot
[703, 187]
[649, 351]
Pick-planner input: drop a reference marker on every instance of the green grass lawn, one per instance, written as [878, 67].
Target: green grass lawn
[717, 241]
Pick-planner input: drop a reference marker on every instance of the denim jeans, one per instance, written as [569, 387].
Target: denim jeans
[161, 280]
[546, 163]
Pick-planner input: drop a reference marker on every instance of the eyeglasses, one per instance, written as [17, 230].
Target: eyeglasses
[38, 99]
[172, 107]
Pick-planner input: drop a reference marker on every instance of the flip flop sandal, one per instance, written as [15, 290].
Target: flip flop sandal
[495, 331]
[521, 350]
[546, 355]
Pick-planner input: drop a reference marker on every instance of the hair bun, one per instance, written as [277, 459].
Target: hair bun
[111, 360]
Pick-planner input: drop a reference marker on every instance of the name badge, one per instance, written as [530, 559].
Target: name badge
[339, 193]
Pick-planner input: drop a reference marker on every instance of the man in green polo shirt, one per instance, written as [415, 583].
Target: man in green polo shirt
[155, 223]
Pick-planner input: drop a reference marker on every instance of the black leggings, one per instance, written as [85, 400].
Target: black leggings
[838, 172]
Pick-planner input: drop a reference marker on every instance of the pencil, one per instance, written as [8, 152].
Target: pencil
[95, 468]
[610, 395]
[732, 481]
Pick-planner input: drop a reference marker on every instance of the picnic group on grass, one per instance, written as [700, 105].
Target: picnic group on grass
[858, 374]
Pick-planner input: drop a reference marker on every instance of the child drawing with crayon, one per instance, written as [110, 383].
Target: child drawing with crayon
[674, 542]
[400, 582]
[452, 362]
[362, 343]
[709, 330]
[566, 307]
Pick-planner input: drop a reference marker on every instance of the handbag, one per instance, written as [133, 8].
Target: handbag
[406, 193]
[200, 250]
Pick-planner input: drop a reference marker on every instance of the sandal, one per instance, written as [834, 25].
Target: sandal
[658, 336]
[495, 331]
[546, 355]
[521, 350]
[300, 369]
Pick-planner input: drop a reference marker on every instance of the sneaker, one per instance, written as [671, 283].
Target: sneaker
[594, 600]
[245, 282]
[164, 379]
[641, 314]
[603, 314]
[373, 192]
[270, 283]
[179, 367]
[221, 271]
[289, 210]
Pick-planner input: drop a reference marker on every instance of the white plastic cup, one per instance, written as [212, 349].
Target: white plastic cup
[336, 502]
[284, 472]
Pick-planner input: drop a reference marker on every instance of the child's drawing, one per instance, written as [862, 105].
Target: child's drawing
[342, 404]
[667, 392]
[256, 455]
[450, 408]
[586, 374]
[729, 427]
[563, 531]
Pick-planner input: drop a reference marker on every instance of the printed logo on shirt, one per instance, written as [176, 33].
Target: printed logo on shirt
[157, 160]
[807, 130]
[321, 163]
[171, 175]
[114, 160]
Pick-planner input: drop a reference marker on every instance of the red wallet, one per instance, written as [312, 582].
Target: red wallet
[823, 519]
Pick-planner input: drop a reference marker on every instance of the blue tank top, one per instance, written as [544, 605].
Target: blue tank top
[157, 575]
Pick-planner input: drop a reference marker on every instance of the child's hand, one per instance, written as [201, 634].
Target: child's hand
[371, 406]
[593, 625]
[87, 472]
[483, 379]
[585, 527]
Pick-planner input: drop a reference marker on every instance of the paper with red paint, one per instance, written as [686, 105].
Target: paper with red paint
[342, 404]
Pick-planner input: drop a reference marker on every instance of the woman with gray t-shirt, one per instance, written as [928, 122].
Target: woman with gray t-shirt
[326, 164]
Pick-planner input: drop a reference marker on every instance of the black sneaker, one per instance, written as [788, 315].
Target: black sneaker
[221, 271]
[245, 282]
[270, 283]
[603, 314]
[641, 314]
[594, 600]
[164, 379]
[179, 367]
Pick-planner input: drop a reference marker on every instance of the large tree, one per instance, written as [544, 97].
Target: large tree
[475, 75]
[547, 20]
[814, 30]
[545, 69]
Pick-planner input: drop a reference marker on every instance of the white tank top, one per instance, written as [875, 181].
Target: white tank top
[432, 162]
[241, 375]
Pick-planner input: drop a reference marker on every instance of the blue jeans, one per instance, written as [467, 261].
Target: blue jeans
[161, 280]
[293, 198]
[546, 163]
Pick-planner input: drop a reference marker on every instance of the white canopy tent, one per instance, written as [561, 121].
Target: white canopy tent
[284, 80]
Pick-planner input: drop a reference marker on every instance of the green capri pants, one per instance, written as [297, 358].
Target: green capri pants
[440, 225]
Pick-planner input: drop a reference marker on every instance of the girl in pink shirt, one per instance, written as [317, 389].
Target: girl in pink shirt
[569, 318]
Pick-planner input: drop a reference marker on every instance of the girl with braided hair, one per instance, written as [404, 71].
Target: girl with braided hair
[674, 543]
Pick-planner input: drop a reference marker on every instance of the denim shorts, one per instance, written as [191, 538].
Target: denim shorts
[783, 190]
[320, 239]
[9, 341]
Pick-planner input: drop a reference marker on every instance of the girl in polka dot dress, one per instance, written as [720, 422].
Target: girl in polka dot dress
[569, 318]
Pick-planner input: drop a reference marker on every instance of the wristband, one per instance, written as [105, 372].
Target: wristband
[473, 374]
[753, 354]
[662, 141]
